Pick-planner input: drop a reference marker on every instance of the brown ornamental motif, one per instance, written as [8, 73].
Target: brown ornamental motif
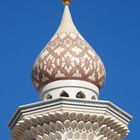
[68, 56]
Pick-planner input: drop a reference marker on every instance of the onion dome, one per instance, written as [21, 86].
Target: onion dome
[67, 58]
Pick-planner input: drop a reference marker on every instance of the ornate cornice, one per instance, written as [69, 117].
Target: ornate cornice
[65, 103]
[69, 118]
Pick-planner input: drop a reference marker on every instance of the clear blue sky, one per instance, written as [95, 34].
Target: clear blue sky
[112, 27]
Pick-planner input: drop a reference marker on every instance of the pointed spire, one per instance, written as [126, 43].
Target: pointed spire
[67, 24]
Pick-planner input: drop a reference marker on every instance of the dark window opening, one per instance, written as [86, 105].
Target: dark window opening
[64, 94]
[49, 96]
[93, 97]
[80, 95]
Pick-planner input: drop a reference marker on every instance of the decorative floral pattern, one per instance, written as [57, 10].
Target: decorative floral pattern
[68, 56]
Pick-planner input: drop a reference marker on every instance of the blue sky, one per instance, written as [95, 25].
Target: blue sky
[112, 27]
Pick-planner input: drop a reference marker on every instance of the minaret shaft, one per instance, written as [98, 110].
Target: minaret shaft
[68, 74]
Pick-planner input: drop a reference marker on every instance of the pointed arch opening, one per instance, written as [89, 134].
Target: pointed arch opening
[80, 95]
[49, 97]
[93, 97]
[64, 94]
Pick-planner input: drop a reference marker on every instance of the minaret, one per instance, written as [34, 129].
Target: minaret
[68, 74]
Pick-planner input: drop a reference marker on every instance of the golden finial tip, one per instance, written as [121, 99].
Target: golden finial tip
[66, 2]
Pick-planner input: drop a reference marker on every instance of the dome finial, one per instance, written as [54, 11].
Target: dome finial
[66, 2]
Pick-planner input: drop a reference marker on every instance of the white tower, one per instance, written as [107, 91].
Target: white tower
[69, 74]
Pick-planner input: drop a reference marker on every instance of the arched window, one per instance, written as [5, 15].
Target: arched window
[49, 96]
[80, 95]
[64, 94]
[93, 97]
